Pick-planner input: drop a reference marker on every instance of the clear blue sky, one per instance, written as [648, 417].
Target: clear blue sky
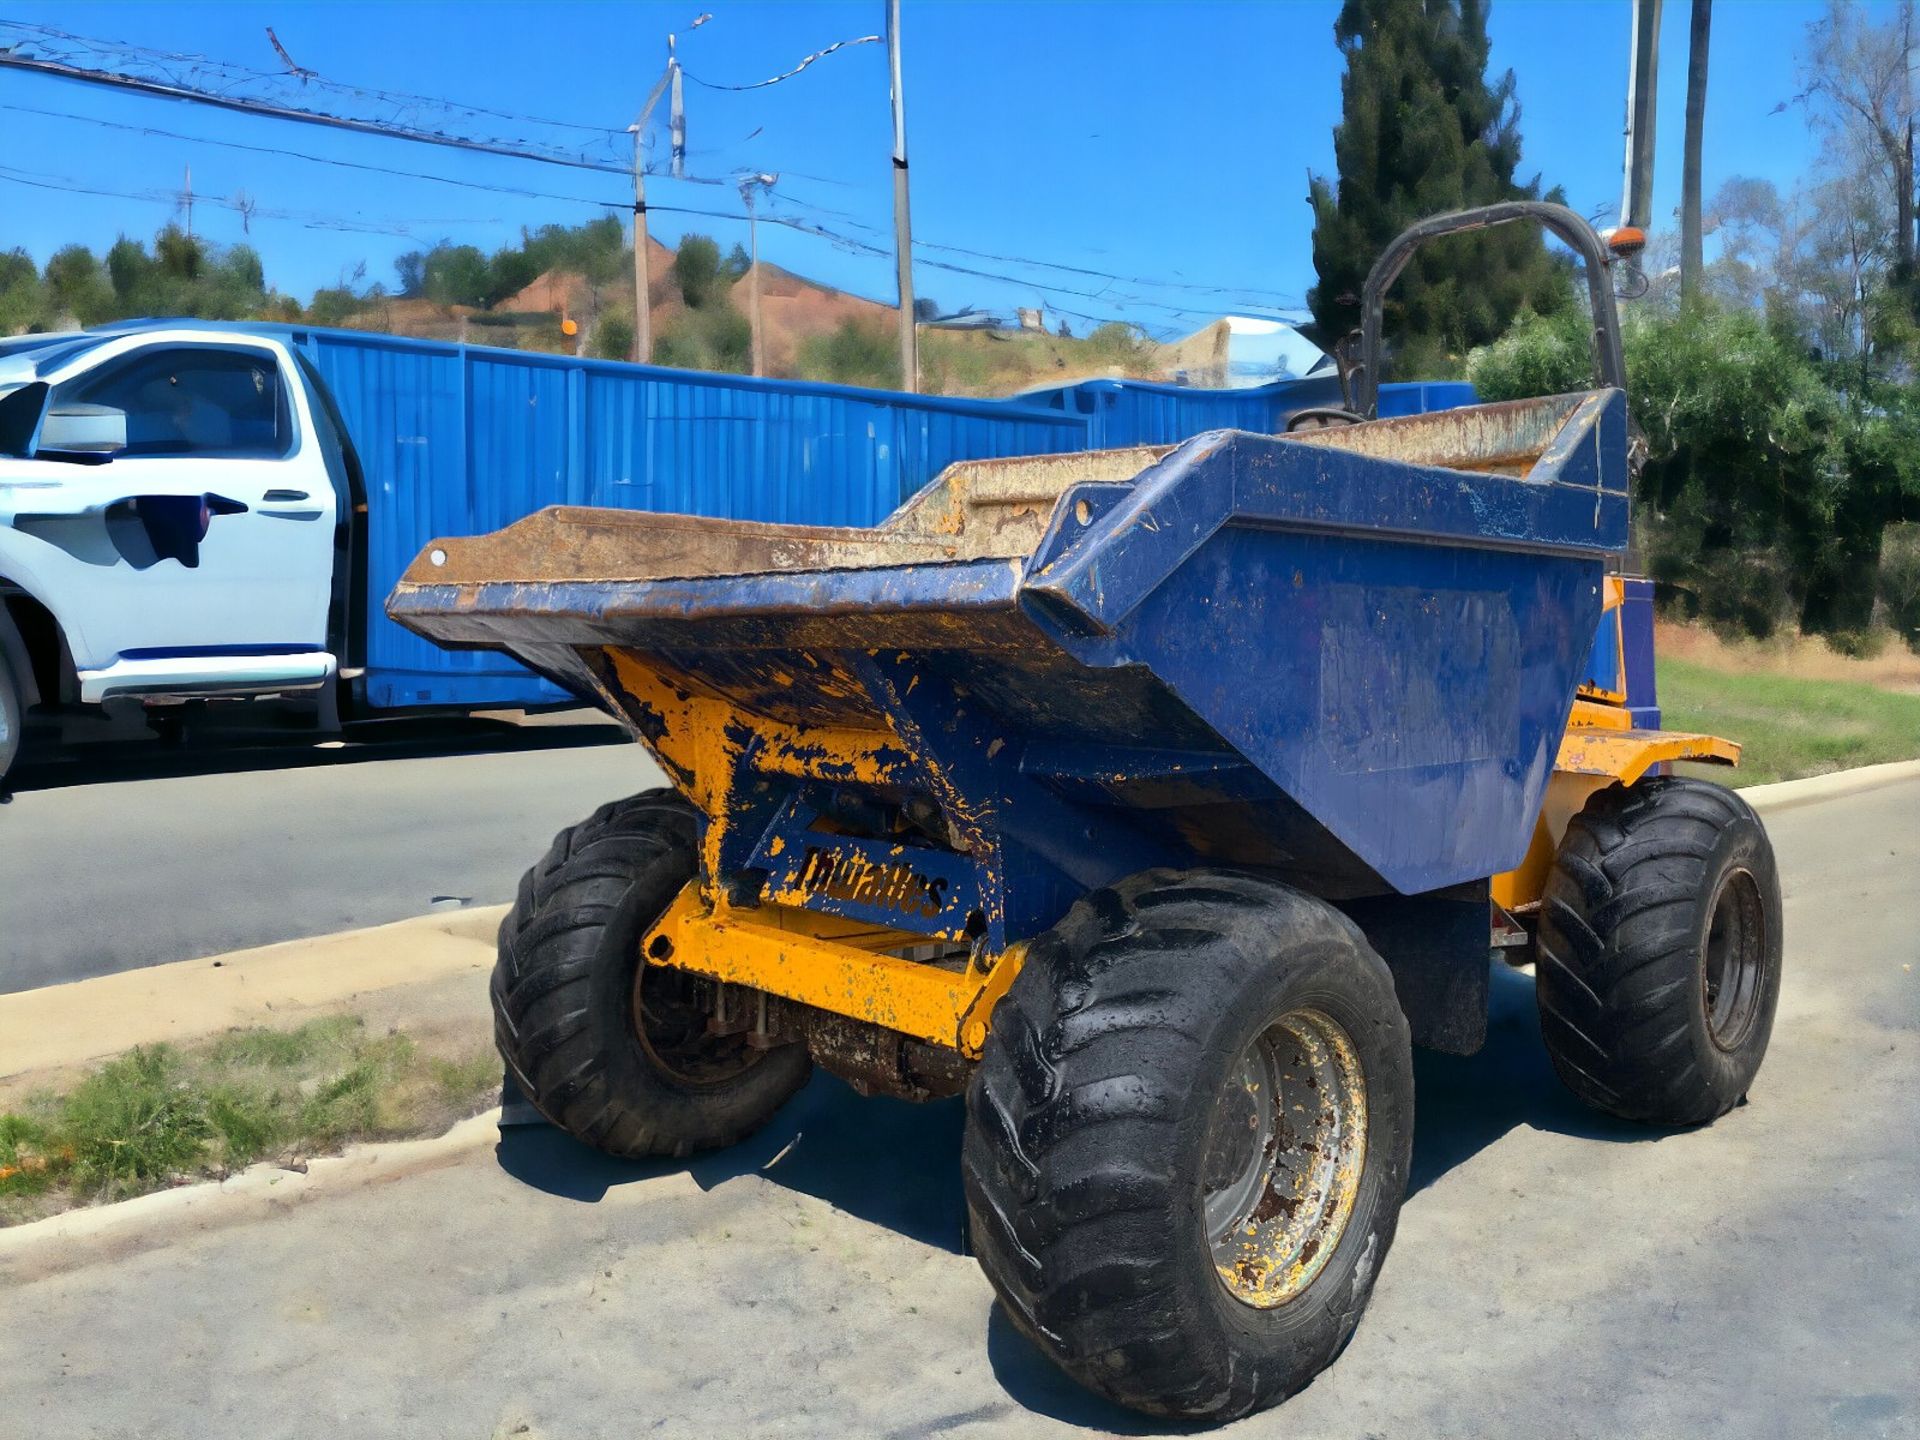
[1165, 141]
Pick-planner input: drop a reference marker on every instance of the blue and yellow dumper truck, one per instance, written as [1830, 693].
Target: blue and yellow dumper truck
[1158, 800]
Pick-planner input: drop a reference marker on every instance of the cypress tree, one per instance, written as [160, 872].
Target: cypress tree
[1421, 132]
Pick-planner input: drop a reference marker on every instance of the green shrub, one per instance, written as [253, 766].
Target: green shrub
[717, 337]
[613, 338]
[854, 354]
[1540, 355]
[1117, 341]
[696, 270]
[283, 1049]
[1899, 582]
[1769, 477]
[247, 1123]
[1862, 644]
[134, 1121]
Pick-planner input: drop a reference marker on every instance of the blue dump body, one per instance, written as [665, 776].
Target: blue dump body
[1346, 656]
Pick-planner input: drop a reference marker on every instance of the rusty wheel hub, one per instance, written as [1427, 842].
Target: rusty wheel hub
[1733, 968]
[1282, 1172]
[670, 1012]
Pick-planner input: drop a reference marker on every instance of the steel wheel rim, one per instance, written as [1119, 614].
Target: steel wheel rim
[671, 1025]
[1733, 960]
[1281, 1174]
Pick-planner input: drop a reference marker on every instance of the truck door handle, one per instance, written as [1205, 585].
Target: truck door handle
[281, 497]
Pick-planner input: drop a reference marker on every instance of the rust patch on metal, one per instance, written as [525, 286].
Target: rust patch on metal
[1312, 1104]
[1507, 438]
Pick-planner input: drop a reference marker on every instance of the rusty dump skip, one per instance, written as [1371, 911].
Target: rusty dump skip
[977, 509]
[1346, 655]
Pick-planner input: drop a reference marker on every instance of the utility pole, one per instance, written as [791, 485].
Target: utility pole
[642, 304]
[1692, 253]
[186, 199]
[748, 184]
[902, 226]
[1636, 193]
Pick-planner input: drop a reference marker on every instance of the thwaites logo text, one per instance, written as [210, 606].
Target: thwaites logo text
[893, 886]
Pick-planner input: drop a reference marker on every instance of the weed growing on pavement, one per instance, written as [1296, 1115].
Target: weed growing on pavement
[160, 1115]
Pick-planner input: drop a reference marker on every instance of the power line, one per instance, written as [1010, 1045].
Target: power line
[49, 36]
[280, 152]
[392, 129]
[312, 220]
[787, 75]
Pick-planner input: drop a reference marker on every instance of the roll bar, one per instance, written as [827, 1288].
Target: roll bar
[1610, 366]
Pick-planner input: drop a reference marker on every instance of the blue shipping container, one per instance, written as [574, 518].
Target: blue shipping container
[1419, 397]
[1141, 412]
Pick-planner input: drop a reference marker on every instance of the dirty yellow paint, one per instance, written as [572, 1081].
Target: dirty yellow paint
[860, 934]
[769, 951]
[1596, 751]
[1590, 714]
[1626, 755]
[1567, 794]
[996, 977]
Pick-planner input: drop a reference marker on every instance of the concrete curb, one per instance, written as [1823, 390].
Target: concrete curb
[88, 1020]
[78, 1238]
[1791, 794]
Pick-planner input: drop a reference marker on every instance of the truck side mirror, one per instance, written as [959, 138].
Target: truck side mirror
[84, 430]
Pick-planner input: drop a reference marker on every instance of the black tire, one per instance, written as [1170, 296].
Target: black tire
[13, 714]
[1659, 952]
[1100, 1104]
[567, 1015]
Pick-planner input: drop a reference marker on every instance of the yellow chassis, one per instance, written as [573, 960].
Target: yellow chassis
[811, 958]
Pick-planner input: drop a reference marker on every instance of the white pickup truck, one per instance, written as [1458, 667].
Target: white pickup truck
[172, 514]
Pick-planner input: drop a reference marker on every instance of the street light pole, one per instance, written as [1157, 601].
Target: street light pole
[1636, 190]
[902, 226]
[748, 184]
[642, 282]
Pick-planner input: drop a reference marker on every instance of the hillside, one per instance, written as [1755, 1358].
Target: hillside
[812, 331]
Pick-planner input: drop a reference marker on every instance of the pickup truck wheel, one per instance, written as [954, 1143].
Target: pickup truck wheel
[614, 1052]
[13, 715]
[1188, 1139]
[1659, 956]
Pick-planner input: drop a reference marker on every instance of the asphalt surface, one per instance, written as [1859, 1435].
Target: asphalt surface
[1555, 1273]
[117, 857]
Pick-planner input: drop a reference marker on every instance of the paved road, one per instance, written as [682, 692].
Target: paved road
[127, 857]
[1555, 1273]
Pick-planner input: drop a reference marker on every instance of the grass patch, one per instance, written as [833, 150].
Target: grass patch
[160, 1115]
[1789, 727]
